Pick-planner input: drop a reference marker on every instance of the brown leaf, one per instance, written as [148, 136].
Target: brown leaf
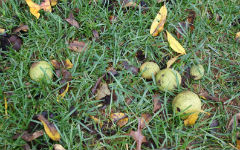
[131, 68]
[206, 95]
[102, 91]
[49, 128]
[128, 100]
[181, 29]
[46, 6]
[137, 135]
[129, 4]
[21, 28]
[26, 147]
[95, 35]
[156, 103]
[94, 89]
[235, 117]
[145, 118]
[112, 19]
[58, 147]
[191, 18]
[78, 46]
[71, 20]
[56, 64]
[15, 42]
[140, 55]
[66, 75]
[29, 137]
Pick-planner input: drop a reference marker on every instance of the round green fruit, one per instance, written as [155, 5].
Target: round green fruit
[168, 79]
[148, 69]
[197, 71]
[41, 70]
[187, 103]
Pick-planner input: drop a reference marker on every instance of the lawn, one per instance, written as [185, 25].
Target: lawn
[123, 37]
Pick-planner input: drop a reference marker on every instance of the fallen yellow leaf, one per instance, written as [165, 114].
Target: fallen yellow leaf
[68, 64]
[34, 8]
[63, 93]
[238, 37]
[191, 120]
[2, 30]
[96, 120]
[120, 118]
[172, 60]
[174, 44]
[159, 21]
[46, 6]
[6, 105]
[53, 2]
[49, 128]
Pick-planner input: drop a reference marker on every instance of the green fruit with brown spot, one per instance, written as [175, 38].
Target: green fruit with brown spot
[149, 69]
[187, 103]
[168, 79]
[197, 71]
[41, 70]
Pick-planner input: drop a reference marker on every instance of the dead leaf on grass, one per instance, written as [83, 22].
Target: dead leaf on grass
[58, 147]
[34, 8]
[131, 68]
[78, 46]
[21, 28]
[68, 64]
[94, 89]
[56, 64]
[2, 30]
[120, 119]
[191, 120]
[112, 19]
[96, 120]
[95, 35]
[156, 103]
[71, 20]
[191, 18]
[29, 137]
[205, 95]
[138, 136]
[236, 118]
[145, 118]
[53, 2]
[49, 128]
[172, 61]
[102, 91]
[238, 37]
[159, 21]
[128, 3]
[140, 55]
[174, 44]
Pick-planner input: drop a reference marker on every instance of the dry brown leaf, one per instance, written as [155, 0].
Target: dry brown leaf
[58, 147]
[159, 21]
[56, 64]
[191, 18]
[78, 46]
[130, 4]
[138, 136]
[29, 137]
[120, 118]
[95, 35]
[172, 60]
[112, 19]
[46, 6]
[21, 28]
[236, 118]
[49, 128]
[145, 118]
[156, 103]
[94, 89]
[71, 20]
[102, 91]
[68, 64]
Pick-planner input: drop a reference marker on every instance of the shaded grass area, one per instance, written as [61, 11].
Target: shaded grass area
[211, 43]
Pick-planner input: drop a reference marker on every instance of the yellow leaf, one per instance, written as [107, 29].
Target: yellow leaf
[34, 8]
[191, 119]
[238, 37]
[120, 118]
[68, 64]
[159, 21]
[172, 60]
[174, 44]
[2, 30]
[53, 2]
[96, 120]
[49, 128]
[63, 93]
[6, 105]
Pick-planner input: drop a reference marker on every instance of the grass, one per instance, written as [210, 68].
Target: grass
[211, 43]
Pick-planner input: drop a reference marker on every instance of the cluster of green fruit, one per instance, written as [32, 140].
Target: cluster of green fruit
[168, 79]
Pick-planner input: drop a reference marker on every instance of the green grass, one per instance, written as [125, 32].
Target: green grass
[211, 43]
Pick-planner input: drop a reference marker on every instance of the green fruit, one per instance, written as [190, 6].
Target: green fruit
[41, 70]
[197, 71]
[168, 79]
[149, 69]
[187, 102]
